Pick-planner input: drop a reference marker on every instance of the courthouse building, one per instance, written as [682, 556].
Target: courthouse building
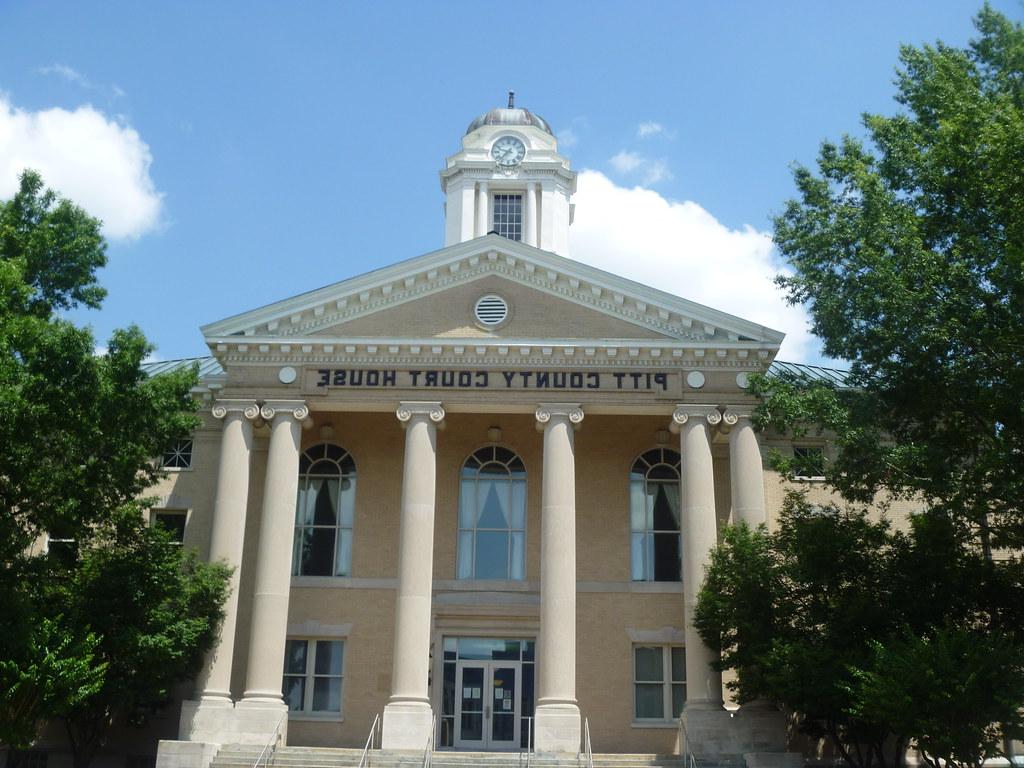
[473, 491]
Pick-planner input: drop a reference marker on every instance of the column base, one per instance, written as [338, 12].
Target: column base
[557, 728]
[214, 722]
[406, 725]
[713, 731]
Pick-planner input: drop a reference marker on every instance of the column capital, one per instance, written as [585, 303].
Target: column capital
[297, 409]
[547, 411]
[685, 413]
[736, 413]
[247, 408]
[432, 409]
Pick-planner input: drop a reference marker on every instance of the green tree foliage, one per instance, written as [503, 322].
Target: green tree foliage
[909, 256]
[79, 432]
[875, 638]
[907, 248]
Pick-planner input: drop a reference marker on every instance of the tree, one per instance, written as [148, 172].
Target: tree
[910, 260]
[907, 248]
[875, 638]
[79, 432]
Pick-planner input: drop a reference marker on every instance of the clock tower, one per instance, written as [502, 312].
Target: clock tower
[509, 178]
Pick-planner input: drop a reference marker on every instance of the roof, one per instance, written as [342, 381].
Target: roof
[513, 116]
[208, 366]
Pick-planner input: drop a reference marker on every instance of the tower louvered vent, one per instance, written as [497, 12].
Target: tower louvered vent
[491, 310]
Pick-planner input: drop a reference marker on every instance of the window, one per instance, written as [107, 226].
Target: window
[178, 456]
[492, 516]
[654, 516]
[809, 462]
[659, 681]
[312, 675]
[172, 521]
[508, 216]
[324, 512]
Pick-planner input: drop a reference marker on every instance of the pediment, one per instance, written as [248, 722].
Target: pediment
[552, 298]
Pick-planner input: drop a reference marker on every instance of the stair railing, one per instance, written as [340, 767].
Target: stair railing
[689, 761]
[586, 742]
[428, 753]
[268, 749]
[529, 740]
[369, 741]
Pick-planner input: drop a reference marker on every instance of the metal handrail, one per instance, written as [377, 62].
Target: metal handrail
[271, 744]
[369, 741]
[529, 740]
[586, 741]
[428, 753]
[689, 761]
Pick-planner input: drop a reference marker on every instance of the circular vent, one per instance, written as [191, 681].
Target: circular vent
[491, 310]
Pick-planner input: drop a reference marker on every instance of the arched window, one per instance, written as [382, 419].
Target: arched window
[492, 516]
[324, 512]
[654, 516]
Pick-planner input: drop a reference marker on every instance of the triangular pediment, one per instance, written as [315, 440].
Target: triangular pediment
[552, 299]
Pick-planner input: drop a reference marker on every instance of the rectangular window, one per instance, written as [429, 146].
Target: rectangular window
[659, 681]
[313, 671]
[178, 456]
[508, 216]
[172, 521]
[809, 462]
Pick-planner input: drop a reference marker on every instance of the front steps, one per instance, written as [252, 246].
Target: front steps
[244, 756]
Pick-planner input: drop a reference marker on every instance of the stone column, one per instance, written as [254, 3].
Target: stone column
[746, 473]
[481, 210]
[700, 535]
[227, 536]
[530, 215]
[408, 716]
[557, 722]
[274, 556]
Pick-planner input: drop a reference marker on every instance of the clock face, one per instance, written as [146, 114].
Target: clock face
[508, 151]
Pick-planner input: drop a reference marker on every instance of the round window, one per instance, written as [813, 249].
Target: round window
[491, 310]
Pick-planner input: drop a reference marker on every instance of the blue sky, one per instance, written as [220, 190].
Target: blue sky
[241, 153]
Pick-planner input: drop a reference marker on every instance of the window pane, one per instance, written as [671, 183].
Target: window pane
[518, 556]
[448, 689]
[649, 666]
[328, 657]
[318, 552]
[295, 657]
[678, 698]
[304, 507]
[326, 694]
[518, 512]
[294, 692]
[493, 500]
[666, 507]
[348, 501]
[637, 557]
[491, 561]
[343, 561]
[679, 664]
[173, 523]
[325, 507]
[637, 503]
[464, 569]
[666, 557]
[467, 503]
[650, 701]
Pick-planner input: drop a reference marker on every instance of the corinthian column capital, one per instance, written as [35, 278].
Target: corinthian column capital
[687, 413]
[247, 408]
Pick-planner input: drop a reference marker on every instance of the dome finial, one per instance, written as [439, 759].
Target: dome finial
[511, 99]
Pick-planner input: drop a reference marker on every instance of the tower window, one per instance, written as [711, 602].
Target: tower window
[508, 216]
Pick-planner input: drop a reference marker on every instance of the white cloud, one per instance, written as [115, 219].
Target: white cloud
[567, 138]
[646, 170]
[646, 130]
[681, 248]
[99, 163]
[70, 74]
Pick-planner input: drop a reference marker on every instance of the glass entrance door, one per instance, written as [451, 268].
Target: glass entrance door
[487, 705]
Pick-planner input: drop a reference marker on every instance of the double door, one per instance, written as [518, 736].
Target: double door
[487, 695]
